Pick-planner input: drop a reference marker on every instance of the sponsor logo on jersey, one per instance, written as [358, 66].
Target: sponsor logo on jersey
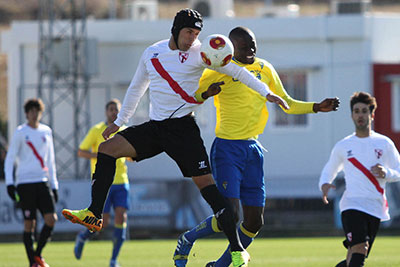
[155, 55]
[349, 153]
[183, 56]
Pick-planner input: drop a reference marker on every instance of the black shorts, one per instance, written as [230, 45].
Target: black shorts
[35, 196]
[179, 138]
[359, 227]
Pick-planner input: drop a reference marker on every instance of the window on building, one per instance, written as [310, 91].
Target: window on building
[295, 84]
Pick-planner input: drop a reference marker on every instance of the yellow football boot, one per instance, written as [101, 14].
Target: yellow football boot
[240, 258]
[84, 217]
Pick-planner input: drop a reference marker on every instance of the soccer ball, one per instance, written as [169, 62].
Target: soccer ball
[216, 50]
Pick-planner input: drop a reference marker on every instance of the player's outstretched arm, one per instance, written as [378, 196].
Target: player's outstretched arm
[325, 189]
[112, 128]
[327, 105]
[277, 100]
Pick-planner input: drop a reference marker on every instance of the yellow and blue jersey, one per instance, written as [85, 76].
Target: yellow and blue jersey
[242, 112]
[91, 143]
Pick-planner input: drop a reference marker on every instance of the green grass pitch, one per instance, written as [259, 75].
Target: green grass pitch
[152, 253]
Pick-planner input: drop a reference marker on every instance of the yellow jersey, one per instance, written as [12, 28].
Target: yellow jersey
[242, 112]
[91, 143]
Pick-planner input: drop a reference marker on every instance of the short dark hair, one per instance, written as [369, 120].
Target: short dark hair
[113, 101]
[239, 32]
[32, 103]
[365, 98]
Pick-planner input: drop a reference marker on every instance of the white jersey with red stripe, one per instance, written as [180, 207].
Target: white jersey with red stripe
[33, 150]
[172, 77]
[355, 156]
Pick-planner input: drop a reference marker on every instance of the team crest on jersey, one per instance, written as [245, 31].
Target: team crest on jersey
[378, 153]
[183, 56]
[256, 73]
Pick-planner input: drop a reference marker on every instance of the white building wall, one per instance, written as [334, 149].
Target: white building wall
[386, 39]
[337, 53]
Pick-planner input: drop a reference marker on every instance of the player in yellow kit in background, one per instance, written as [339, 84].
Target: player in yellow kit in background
[236, 155]
[118, 196]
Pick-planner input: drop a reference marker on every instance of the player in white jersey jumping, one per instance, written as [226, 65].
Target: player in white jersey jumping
[32, 146]
[171, 69]
[369, 160]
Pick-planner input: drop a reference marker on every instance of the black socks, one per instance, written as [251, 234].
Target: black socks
[357, 260]
[45, 235]
[28, 242]
[102, 179]
[343, 263]
[224, 215]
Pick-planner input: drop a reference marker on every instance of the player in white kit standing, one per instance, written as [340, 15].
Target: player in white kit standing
[35, 178]
[369, 160]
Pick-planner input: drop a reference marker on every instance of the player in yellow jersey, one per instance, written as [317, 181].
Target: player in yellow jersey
[118, 196]
[236, 155]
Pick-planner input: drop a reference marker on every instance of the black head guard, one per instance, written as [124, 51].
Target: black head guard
[186, 18]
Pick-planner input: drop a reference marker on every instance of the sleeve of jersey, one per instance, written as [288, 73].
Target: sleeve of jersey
[136, 89]
[87, 142]
[243, 75]
[52, 165]
[393, 170]
[296, 106]
[11, 157]
[331, 168]
[209, 76]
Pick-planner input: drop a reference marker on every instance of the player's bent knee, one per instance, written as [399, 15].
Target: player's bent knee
[108, 148]
[256, 226]
[29, 225]
[117, 147]
[50, 219]
[253, 225]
